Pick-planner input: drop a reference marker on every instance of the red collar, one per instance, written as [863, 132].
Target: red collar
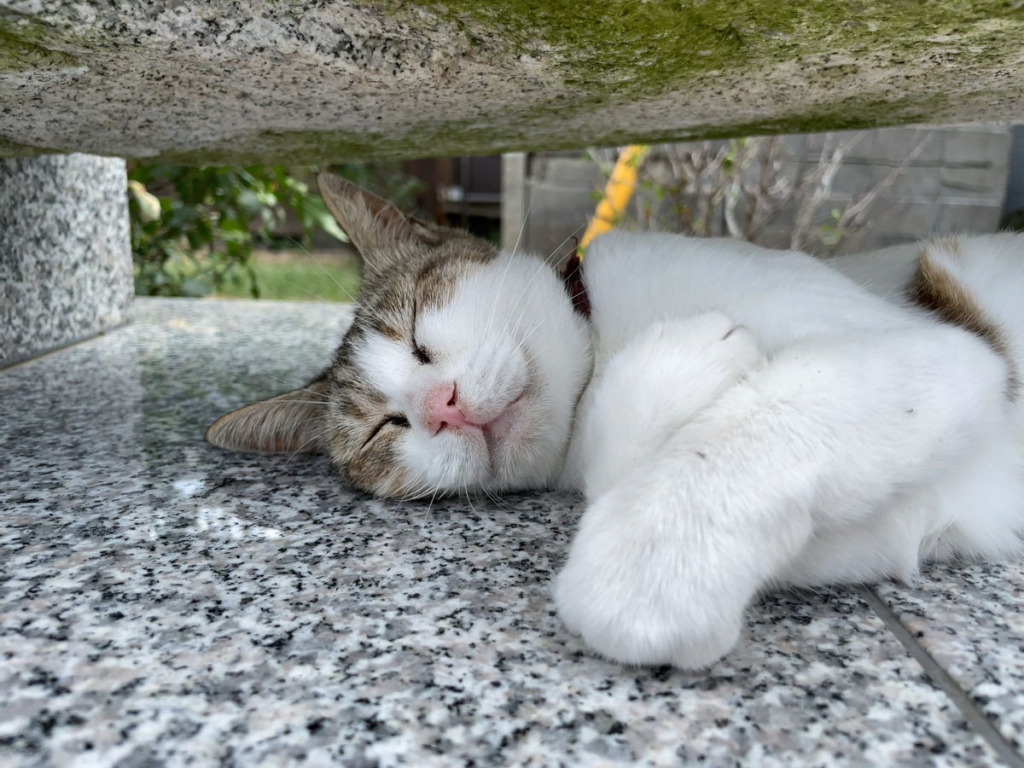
[572, 277]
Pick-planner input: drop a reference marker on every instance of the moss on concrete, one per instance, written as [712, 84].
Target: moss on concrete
[652, 46]
[11, 148]
[23, 46]
[606, 59]
[427, 140]
[453, 138]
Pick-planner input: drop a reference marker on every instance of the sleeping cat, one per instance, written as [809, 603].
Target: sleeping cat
[736, 418]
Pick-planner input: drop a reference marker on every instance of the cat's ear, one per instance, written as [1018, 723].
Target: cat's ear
[294, 422]
[373, 224]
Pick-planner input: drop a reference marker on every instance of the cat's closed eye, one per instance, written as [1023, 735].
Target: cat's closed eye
[417, 351]
[420, 354]
[395, 419]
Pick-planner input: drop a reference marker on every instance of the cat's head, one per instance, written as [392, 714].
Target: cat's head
[461, 369]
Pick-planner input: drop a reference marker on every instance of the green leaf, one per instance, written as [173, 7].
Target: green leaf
[206, 217]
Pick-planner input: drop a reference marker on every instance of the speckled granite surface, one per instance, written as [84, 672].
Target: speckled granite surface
[165, 603]
[970, 619]
[65, 255]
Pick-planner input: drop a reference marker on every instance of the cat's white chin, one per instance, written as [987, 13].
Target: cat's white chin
[495, 443]
[503, 429]
[516, 444]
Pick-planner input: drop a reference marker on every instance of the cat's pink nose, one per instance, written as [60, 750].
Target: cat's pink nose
[443, 410]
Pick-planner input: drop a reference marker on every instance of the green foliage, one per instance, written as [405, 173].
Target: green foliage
[194, 228]
[201, 223]
[1013, 221]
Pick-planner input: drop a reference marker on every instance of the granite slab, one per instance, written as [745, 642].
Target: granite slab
[163, 602]
[970, 619]
[310, 81]
[65, 250]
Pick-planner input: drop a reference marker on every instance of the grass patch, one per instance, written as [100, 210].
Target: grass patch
[313, 276]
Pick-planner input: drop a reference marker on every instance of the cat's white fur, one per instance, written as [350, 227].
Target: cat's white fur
[834, 436]
[748, 418]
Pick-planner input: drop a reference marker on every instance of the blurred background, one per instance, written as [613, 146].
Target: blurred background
[263, 232]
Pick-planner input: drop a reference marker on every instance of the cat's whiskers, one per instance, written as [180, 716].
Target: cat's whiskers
[434, 489]
[543, 266]
[415, 492]
[522, 227]
[544, 318]
[312, 392]
[513, 331]
[469, 499]
[497, 296]
[495, 499]
[546, 264]
[326, 271]
[302, 288]
[508, 265]
[315, 437]
[415, 488]
[433, 496]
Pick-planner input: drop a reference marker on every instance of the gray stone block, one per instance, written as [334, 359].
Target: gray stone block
[853, 180]
[984, 183]
[555, 214]
[977, 146]
[924, 196]
[902, 218]
[914, 183]
[65, 253]
[885, 146]
[567, 171]
[955, 218]
[871, 240]
[892, 146]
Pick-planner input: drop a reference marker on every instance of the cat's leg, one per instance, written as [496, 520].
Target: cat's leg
[666, 560]
[973, 510]
[891, 543]
[654, 385]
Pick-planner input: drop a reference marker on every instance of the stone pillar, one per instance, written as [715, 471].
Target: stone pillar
[65, 251]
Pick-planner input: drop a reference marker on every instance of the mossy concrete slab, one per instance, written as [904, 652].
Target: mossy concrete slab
[303, 80]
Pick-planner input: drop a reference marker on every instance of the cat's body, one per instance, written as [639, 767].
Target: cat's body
[833, 436]
[736, 418]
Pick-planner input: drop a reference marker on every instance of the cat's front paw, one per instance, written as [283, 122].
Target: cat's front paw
[711, 349]
[655, 385]
[628, 589]
[685, 364]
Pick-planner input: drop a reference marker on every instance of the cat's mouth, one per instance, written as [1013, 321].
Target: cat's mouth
[496, 431]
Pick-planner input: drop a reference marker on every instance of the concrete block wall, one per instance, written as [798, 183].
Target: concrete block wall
[956, 183]
[556, 192]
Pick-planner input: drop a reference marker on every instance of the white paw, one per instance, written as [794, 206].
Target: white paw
[655, 385]
[709, 352]
[639, 595]
[686, 364]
